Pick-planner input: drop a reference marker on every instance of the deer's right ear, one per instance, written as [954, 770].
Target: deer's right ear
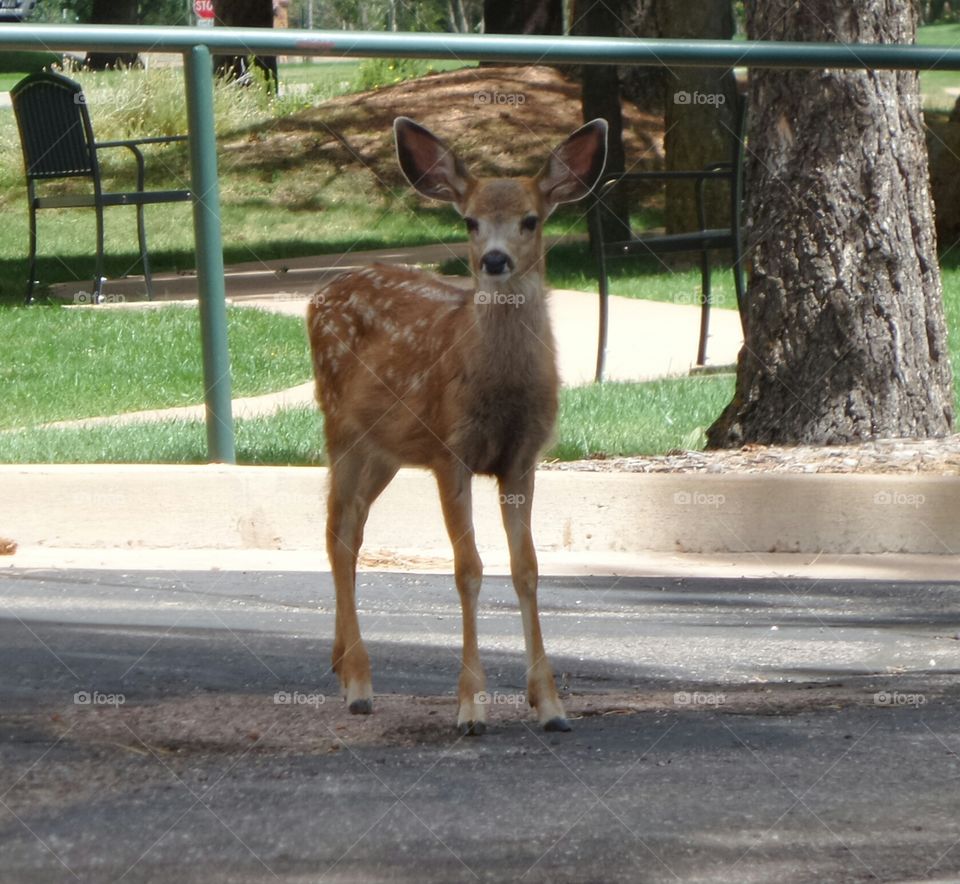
[429, 164]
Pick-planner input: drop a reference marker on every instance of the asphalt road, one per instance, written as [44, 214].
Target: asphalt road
[184, 727]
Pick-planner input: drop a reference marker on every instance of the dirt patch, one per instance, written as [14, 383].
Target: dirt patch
[315, 724]
[387, 560]
[501, 119]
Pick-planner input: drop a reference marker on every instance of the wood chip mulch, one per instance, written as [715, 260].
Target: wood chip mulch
[902, 456]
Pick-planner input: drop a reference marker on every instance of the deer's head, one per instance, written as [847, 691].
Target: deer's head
[504, 216]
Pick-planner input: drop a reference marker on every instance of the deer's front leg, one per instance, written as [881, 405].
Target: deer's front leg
[516, 505]
[454, 483]
[355, 481]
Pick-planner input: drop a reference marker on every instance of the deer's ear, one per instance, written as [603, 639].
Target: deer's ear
[429, 164]
[575, 166]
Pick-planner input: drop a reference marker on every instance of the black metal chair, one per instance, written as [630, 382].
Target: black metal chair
[702, 240]
[57, 140]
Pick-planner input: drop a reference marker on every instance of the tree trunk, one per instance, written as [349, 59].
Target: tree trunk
[600, 97]
[112, 12]
[245, 14]
[642, 85]
[523, 17]
[845, 338]
[700, 113]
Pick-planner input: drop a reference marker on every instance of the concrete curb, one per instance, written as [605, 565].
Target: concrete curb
[282, 508]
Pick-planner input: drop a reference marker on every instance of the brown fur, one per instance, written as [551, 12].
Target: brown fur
[411, 370]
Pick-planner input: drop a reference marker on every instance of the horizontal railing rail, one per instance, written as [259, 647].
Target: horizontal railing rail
[198, 45]
[485, 47]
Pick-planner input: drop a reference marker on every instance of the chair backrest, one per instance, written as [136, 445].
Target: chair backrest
[55, 130]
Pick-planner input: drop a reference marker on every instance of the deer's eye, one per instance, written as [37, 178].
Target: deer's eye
[472, 225]
[530, 222]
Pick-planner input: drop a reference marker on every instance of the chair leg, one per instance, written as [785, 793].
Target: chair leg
[98, 269]
[144, 257]
[602, 324]
[32, 272]
[705, 295]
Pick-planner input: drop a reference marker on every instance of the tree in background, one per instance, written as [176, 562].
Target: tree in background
[245, 14]
[112, 12]
[845, 333]
[697, 133]
[600, 97]
[523, 16]
[457, 16]
[936, 10]
[699, 112]
[155, 12]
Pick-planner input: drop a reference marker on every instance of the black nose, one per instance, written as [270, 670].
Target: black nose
[495, 262]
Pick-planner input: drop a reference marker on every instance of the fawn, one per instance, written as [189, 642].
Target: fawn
[411, 370]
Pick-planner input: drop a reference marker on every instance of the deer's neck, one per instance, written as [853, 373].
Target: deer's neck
[514, 326]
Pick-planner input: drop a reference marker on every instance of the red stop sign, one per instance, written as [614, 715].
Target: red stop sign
[203, 8]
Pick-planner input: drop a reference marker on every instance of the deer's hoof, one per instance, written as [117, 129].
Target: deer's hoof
[361, 707]
[557, 724]
[472, 728]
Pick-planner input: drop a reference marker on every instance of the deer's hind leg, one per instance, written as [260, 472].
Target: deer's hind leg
[356, 479]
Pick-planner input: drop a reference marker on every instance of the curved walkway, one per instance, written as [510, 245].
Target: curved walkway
[647, 339]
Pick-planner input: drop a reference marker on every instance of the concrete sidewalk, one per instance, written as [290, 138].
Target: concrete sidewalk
[584, 522]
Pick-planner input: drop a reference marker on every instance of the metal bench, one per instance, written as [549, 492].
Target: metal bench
[57, 140]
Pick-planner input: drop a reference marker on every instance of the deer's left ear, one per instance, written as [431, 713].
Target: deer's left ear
[429, 163]
[575, 166]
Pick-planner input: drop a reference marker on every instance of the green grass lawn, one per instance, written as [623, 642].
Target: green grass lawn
[286, 191]
[609, 420]
[60, 363]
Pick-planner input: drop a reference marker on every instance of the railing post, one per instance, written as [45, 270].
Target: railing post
[198, 65]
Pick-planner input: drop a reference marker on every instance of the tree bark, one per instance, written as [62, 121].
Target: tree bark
[700, 113]
[845, 338]
[600, 97]
[642, 85]
[113, 12]
[522, 17]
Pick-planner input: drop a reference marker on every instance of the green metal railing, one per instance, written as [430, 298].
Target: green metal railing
[198, 44]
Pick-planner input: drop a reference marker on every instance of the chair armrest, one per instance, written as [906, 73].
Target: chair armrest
[133, 145]
[158, 139]
[715, 170]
